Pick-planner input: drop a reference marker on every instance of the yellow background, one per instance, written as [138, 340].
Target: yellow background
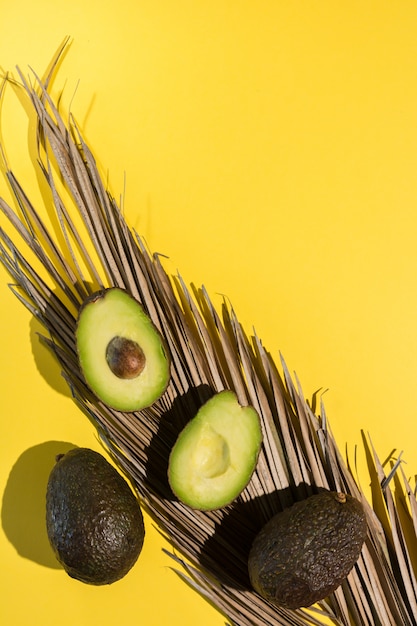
[269, 148]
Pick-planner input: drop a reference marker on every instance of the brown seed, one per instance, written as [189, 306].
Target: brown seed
[125, 358]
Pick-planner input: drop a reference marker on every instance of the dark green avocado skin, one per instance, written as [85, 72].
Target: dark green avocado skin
[94, 521]
[304, 553]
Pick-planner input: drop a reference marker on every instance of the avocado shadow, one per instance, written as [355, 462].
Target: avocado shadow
[64, 304]
[234, 534]
[170, 424]
[23, 511]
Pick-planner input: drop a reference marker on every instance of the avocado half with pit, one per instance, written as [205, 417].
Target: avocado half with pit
[121, 353]
[216, 453]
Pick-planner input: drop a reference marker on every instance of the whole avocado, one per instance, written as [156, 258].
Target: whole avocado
[94, 521]
[305, 552]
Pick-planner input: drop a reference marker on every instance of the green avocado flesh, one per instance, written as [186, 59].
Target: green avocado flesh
[121, 353]
[304, 553]
[94, 521]
[216, 453]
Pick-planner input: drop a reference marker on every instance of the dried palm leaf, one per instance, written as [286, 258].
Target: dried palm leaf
[53, 270]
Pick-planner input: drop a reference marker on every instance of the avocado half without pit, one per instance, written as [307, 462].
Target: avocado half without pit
[93, 519]
[216, 453]
[305, 552]
[121, 353]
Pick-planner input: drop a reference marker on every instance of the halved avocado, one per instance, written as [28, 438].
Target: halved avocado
[122, 355]
[216, 453]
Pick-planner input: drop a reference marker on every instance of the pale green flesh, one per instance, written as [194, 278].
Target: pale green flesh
[215, 455]
[117, 314]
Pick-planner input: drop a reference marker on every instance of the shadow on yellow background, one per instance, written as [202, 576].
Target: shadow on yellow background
[23, 504]
[46, 364]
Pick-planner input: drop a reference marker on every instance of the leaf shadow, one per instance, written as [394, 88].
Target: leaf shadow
[46, 362]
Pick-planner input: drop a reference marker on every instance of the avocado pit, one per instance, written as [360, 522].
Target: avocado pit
[125, 358]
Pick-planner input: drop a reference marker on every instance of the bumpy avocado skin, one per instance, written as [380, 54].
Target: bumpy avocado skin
[94, 522]
[304, 553]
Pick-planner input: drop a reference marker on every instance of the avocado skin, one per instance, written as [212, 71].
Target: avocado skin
[94, 522]
[305, 552]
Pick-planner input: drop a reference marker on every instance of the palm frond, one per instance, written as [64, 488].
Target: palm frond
[53, 271]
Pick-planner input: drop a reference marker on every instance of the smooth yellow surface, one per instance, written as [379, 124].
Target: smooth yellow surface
[269, 149]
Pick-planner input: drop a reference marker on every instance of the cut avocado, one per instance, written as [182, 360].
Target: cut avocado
[215, 454]
[94, 521]
[304, 553]
[121, 353]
